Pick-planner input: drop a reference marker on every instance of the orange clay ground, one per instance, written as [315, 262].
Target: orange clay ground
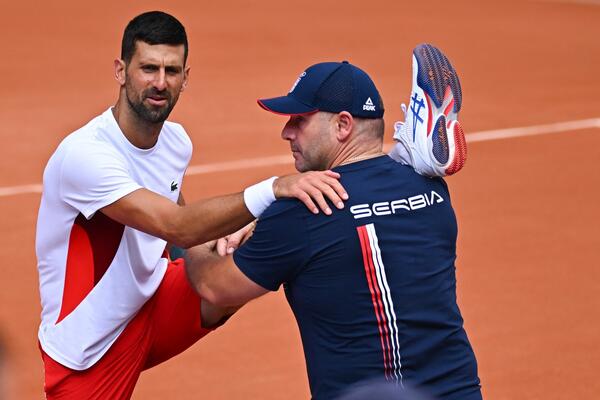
[529, 244]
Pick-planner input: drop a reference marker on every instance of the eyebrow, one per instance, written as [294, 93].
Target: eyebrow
[168, 67]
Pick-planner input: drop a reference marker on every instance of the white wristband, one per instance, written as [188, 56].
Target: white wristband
[260, 196]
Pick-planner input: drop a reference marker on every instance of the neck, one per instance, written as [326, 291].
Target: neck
[351, 155]
[140, 133]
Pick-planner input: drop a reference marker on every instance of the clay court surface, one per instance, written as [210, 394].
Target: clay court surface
[529, 216]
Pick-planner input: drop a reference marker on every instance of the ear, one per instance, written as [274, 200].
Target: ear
[344, 123]
[186, 76]
[120, 71]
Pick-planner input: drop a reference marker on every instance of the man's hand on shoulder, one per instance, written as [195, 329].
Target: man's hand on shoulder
[312, 187]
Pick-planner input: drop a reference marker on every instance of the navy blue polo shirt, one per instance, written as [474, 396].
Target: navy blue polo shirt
[373, 286]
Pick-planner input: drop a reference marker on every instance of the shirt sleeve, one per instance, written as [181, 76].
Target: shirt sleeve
[279, 247]
[94, 176]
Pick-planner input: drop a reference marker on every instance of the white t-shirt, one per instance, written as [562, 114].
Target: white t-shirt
[95, 274]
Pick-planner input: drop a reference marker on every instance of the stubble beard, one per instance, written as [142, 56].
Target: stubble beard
[311, 160]
[315, 156]
[148, 113]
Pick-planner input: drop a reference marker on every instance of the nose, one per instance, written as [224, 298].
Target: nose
[287, 133]
[160, 81]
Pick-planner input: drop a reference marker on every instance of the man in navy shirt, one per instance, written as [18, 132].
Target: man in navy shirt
[372, 286]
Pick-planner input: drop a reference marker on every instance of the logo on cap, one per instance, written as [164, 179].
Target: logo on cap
[302, 75]
[369, 106]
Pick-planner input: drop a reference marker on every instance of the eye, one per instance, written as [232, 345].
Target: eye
[149, 68]
[172, 70]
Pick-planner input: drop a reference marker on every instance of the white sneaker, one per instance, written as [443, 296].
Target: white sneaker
[431, 139]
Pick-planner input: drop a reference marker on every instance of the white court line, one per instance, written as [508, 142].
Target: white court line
[13, 190]
[584, 2]
[533, 130]
[238, 164]
[287, 159]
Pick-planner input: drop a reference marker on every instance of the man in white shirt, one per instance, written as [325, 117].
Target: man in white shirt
[113, 304]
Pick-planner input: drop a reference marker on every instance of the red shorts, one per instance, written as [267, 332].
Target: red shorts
[165, 326]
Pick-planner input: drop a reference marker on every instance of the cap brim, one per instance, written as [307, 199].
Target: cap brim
[286, 105]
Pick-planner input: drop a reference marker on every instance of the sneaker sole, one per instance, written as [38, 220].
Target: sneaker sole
[441, 146]
[439, 81]
[460, 148]
[439, 139]
[436, 74]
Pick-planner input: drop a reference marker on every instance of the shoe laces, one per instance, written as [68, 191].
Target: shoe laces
[399, 124]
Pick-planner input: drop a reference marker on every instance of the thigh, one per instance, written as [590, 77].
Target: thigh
[114, 376]
[176, 316]
[166, 325]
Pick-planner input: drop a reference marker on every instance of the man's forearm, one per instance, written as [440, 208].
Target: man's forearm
[201, 221]
[183, 226]
[210, 219]
[202, 266]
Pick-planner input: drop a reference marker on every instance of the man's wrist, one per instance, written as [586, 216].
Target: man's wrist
[259, 196]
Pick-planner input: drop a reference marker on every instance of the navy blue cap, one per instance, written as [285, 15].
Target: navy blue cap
[332, 87]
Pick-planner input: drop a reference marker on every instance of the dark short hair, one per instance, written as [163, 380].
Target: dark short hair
[153, 27]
